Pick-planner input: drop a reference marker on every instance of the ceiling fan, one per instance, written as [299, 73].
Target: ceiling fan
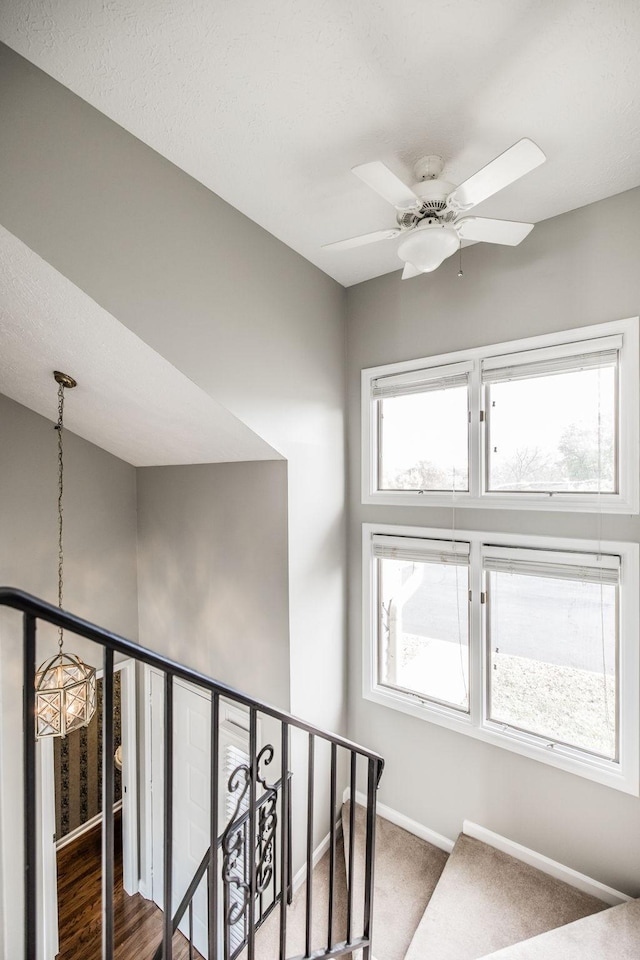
[431, 215]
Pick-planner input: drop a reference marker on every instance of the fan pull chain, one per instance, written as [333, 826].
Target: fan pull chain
[460, 273]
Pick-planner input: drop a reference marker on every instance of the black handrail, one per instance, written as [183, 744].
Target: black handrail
[256, 877]
[26, 603]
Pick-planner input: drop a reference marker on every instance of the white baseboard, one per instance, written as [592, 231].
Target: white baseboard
[84, 828]
[142, 890]
[551, 867]
[406, 823]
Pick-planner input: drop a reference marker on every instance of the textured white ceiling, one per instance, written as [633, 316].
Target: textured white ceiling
[129, 400]
[270, 104]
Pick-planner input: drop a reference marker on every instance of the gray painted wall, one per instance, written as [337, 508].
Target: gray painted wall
[246, 318]
[577, 269]
[100, 583]
[212, 571]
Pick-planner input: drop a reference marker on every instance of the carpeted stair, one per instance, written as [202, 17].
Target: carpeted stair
[406, 872]
[479, 903]
[487, 900]
[613, 934]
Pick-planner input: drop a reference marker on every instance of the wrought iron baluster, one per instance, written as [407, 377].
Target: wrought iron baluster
[190, 929]
[372, 785]
[168, 814]
[226, 932]
[249, 911]
[214, 799]
[352, 832]
[309, 900]
[253, 754]
[29, 762]
[332, 844]
[107, 805]
[284, 839]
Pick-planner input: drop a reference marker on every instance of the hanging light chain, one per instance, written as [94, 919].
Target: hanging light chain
[63, 380]
[59, 428]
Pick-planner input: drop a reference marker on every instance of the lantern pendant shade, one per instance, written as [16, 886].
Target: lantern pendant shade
[65, 695]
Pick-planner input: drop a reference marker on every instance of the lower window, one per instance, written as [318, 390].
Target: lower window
[423, 619]
[528, 642]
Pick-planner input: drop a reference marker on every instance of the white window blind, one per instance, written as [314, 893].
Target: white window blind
[421, 381]
[569, 358]
[588, 568]
[421, 551]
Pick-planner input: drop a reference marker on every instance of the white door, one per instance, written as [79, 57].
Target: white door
[191, 791]
[191, 779]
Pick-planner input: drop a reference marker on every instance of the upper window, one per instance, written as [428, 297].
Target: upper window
[423, 429]
[546, 423]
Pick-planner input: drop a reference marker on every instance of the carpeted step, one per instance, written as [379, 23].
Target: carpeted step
[267, 946]
[613, 934]
[486, 900]
[407, 870]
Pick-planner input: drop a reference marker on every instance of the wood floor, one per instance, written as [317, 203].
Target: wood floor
[137, 922]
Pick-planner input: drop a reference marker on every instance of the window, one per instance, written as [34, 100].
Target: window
[527, 642]
[552, 646]
[547, 423]
[423, 622]
[423, 429]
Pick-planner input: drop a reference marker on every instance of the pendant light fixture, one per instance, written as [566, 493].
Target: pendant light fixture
[65, 686]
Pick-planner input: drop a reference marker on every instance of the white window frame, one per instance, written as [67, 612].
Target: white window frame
[563, 343]
[622, 774]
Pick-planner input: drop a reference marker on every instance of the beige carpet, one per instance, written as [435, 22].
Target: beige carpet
[268, 936]
[486, 900]
[407, 870]
[611, 935]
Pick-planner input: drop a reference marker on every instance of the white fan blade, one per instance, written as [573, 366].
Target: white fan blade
[509, 232]
[365, 238]
[391, 188]
[410, 271]
[519, 159]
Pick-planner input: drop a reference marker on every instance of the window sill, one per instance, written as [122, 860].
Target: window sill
[606, 772]
[550, 502]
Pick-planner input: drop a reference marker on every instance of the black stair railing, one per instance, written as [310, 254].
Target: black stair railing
[248, 866]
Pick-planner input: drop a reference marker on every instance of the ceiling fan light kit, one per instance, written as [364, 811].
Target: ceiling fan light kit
[428, 245]
[430, 214]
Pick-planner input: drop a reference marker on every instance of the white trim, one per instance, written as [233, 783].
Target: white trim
[551, 867]
[623, 775]
[142, 890]
[145, 884]
[84, 828]
[129, 773]
[627, 501]
[405, 823]
[318, 854]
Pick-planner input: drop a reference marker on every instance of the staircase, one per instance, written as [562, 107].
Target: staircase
[256, 801]
[478, 903]
[268, 804]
